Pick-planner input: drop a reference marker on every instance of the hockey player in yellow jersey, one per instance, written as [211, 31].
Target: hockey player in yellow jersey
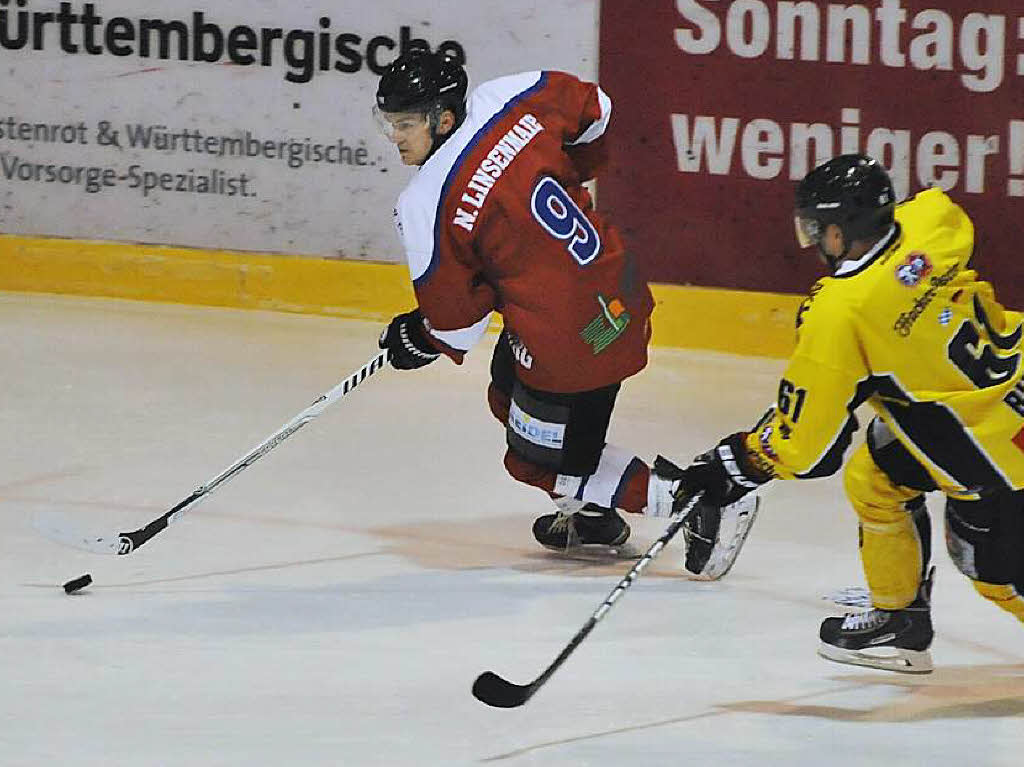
[905, 324]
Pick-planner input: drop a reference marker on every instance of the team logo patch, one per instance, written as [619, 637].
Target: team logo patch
[945, 316]
[607, 326]
[914, 269]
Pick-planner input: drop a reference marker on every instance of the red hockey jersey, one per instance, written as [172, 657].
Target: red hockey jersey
[498, 220]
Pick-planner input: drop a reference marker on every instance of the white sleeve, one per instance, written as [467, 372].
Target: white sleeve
[598, 127]
[416, 231]
[463, 339]
[415, 226]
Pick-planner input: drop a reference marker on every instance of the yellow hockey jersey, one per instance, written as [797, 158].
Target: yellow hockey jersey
[912, 330]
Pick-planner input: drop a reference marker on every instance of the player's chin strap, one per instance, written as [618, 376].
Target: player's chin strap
[714, 535]
[833, 261]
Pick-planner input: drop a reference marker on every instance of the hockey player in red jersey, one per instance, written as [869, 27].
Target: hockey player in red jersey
[497, 219]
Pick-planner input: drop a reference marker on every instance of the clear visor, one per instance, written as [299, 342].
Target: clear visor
[808, 231]
[397, 125]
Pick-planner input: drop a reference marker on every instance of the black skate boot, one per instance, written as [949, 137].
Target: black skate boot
[894, 640]
[591, 524]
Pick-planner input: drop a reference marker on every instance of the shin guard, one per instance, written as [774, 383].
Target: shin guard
[895, 532]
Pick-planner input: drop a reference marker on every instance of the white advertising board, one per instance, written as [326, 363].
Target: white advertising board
[227, 125]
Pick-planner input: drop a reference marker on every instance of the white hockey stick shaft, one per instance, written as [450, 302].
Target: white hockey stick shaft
[320, 404]
[127, 542]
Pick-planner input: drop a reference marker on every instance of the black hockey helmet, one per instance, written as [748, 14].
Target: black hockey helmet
[422, 81]
[852, 191]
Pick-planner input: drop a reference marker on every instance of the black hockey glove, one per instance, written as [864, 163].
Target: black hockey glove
[406, 340]
[723, 474]
[715, 527]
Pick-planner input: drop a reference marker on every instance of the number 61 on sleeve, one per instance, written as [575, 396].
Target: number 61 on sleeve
[791, 398]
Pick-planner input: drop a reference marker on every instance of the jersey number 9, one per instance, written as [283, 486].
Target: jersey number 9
[562, 218]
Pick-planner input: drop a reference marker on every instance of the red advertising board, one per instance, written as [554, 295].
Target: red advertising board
[721, 106]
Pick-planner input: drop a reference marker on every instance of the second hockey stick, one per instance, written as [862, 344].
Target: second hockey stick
[491, 689]
[54, 527]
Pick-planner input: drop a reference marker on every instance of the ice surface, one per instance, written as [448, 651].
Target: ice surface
[333, 603]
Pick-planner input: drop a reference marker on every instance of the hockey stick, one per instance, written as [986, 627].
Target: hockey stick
[53, 527]
[491, 689]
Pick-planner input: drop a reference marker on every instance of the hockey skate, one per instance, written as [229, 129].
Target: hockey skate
[574, 527]
[893, 640]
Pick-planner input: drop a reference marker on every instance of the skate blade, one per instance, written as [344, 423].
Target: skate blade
[598, 552]
[885, 658]
[850, 596]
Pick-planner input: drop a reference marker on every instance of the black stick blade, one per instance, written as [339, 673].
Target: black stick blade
[491, 689]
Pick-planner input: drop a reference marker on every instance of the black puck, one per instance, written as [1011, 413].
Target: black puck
[77, 584]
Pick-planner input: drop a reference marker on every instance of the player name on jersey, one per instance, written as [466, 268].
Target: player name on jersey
[1015, 399]
[493, 165]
